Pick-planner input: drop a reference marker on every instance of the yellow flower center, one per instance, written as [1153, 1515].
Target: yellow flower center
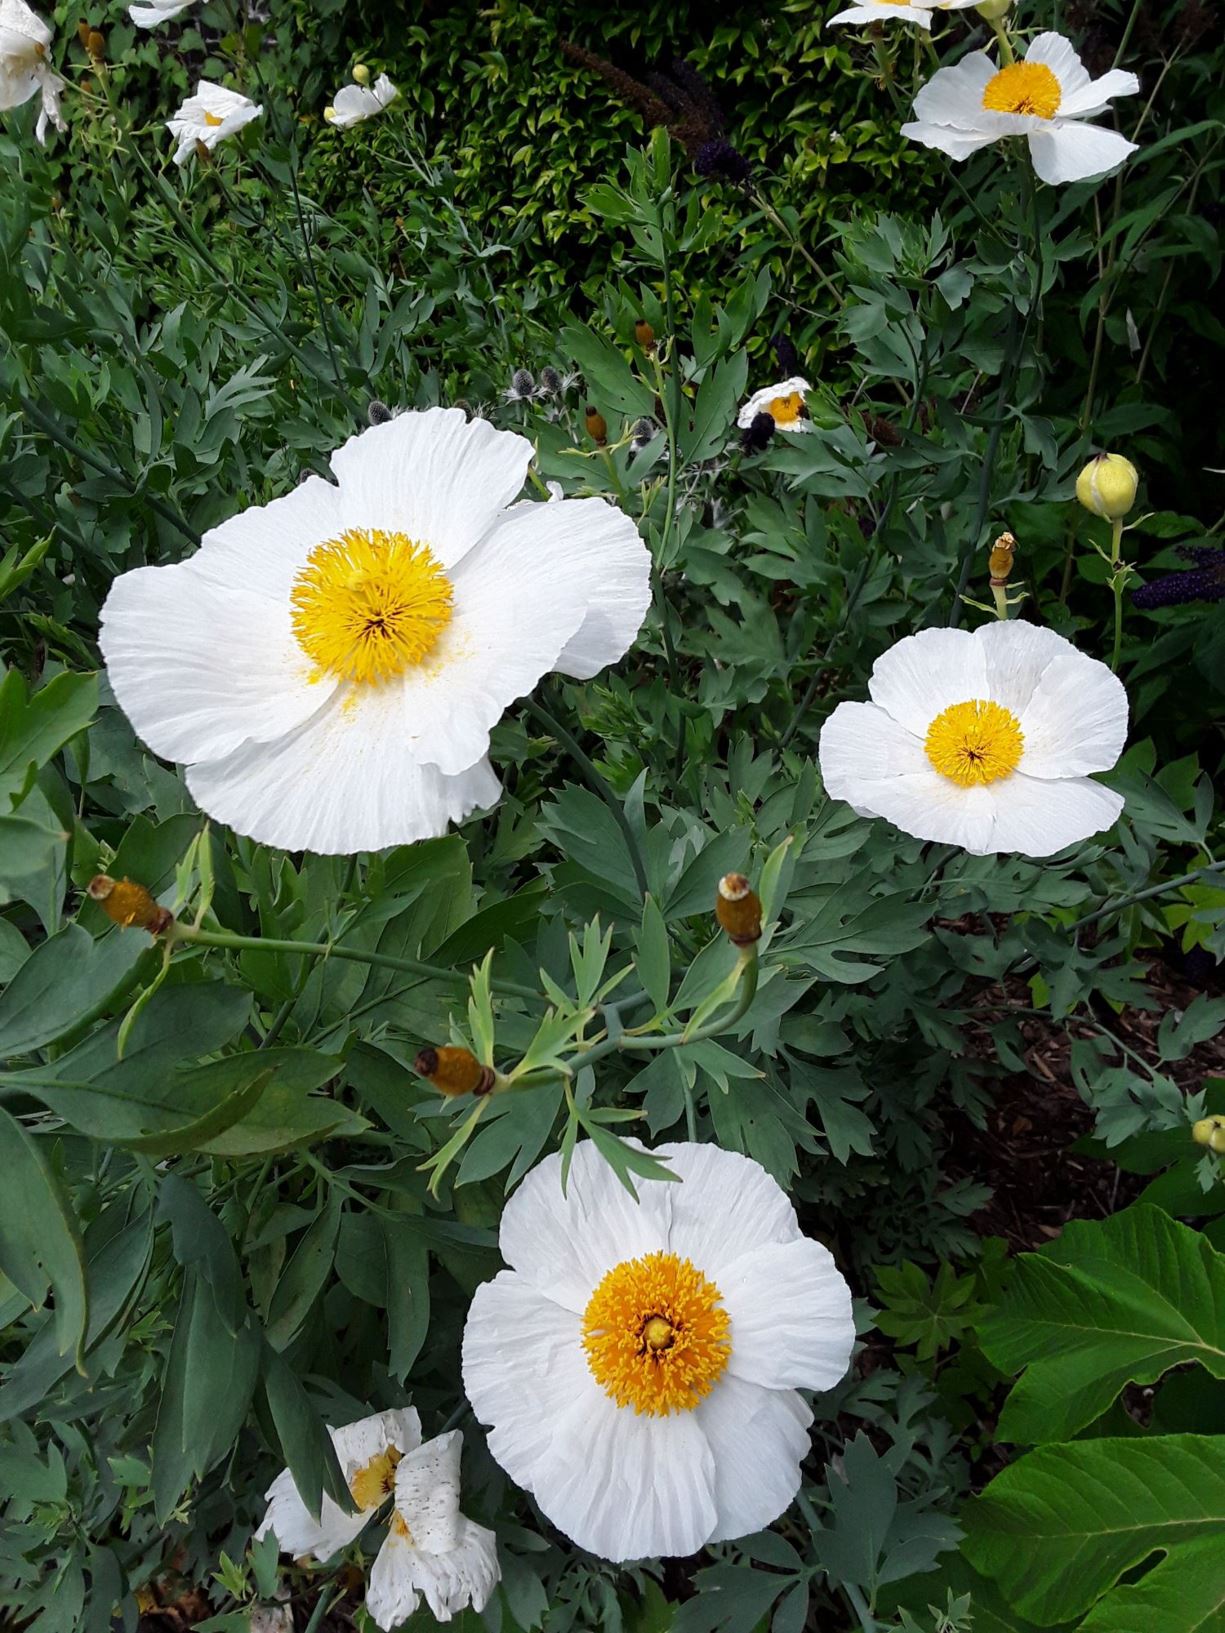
[213, 120]
[656, 1334]
[370, 604]
[974, 743]
[376, 1481]
[787, 410]
[1024, 87]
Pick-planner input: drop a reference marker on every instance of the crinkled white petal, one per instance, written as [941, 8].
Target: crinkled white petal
[924, 674]
[926, 805]
[958, 144]
[149, 13]
[427, 1492]
[354, 103]
[190, 125]
[759, 1438]
[1076, 152]
[954, 95]
[297, 1532]
[1016, 655]
[1095, 97]
[1075, 721]
[1041, 818]
[725, 1205]
[759, 402]
[1057, 53]
[790, 1310]
[464, 1575]
[391, 1590]
[342, 782]
[860, 744]
[358, 1444]
[877, 11]
[436, 476]
[565, 1244]
[22, 30]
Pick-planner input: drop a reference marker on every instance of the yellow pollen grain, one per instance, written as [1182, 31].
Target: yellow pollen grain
[975, 743]
[656, 1334]
[213, 121]
[1024, 87]
[369, 605]
[787, 410]
[375, 1481]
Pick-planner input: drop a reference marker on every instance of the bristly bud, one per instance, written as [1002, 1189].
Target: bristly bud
[550, 381]
[756, 436]
[1107, 486]
[361, 74]
[719, 160]
[128, 904]
[1210, 1131]
[645, 336]
[738, 910]
[1003, 554]
[454, 1071]
[644, 430]
[378, 413]
[522, 384]
[597, 425]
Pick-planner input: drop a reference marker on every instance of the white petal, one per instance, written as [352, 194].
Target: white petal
[261, 550]
[954, 96]
[1016, 655]
[759, 402]
[20, 26]
[427, 1492]
[343, 782]
[435, 475]
[1041, 818]
[153, 12]
[353, 103]
[956, 143]
[870, 13]
[200, 670]
[860, 744]
[759, 1438]
[391, 1594]
[1059, 55]
[358, 1444]
[564, 1245]
[921, 676]
[1076, 152]
[1075, 721]
[295, 1529]
[608, 560]
[1095, 96]
[725, 1205]
[926, 805]
[465, 1575]
[791, 1316]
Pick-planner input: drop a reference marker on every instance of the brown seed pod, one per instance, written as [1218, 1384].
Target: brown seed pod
[644, 335]
[738, 910]
[454, 1071]
[597, 425]
[129, 905]
[1003, 553]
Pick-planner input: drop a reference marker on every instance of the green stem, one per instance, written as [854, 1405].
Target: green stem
[776, 220]
[1007, 54]
[1118, 582]
[814, 685]
[1165, 888]
[324, 325]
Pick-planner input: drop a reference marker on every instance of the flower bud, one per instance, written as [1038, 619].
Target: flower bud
[95, 44]
[1107, 486]
[128, 904]
[550, 381]
[84, 30]
[994, 10]
[1210, 1131]
[738, 910]
[644, 335]
[378, 412]
[1003, 552]
[522, 384]
[361, 74]
[597, 425]
[454, 1071]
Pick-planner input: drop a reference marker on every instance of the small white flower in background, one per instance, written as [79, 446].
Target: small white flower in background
[24, 69]
[431, 1549]
[353, 103]
[984, 740]
[784, 403]
[330, 665]
[640, 1362]
[1044, 98]
[905, 11]
[149, 13]
[212, 115]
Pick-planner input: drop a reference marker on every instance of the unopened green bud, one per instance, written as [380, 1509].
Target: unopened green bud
[1210, 1131]
[361, 74]
[1107, 486]
[994, 10]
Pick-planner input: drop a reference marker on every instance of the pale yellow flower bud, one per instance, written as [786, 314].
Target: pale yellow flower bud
[361, 74]
[1107, 486]
[994, 10]
[1210, 1131]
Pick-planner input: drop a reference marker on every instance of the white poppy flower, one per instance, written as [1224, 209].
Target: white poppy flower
[984, 740]
[639, 1364]
[1043, 98]
[212, 115]
[24, 69]
[330, 665]
[784, 403]
[353, 103]
[149, 13]
[431, 1549]
[905, 11]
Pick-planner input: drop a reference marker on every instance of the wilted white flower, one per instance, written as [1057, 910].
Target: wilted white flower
[330, 665]
[640, 1363]
[24, 69]
[149, 13]
[212, 115]
[784, 403]
[984, 740]
[905, 11]
[431, 1551]
[353, 103]
[1045, 98]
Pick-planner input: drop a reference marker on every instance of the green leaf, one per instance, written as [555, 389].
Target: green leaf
[1110, 1303]
[40, 1244]
[408, 1292]
[304, 1277]
[1059, 1527]
[33, 730]
[654, 961]
[190, 1136]
[67, 981]
[305, 1444]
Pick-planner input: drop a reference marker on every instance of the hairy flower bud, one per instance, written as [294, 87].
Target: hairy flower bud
[454, 1071]
[128, 904]
[738, 910]
[522, 383]
[550, 381]
[1210, 1131]
[597, 425]
[378, 413]
[1107, 486]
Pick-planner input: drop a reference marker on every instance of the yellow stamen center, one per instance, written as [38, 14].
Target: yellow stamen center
[212, 120]
[369, 605]
[974, 743]
[376, 1481]
[656, 1334]
[1024, 87]
[787, 410]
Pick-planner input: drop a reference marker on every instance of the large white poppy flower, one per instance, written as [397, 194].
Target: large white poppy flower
[639, 1363]
[905, 11]
[431, 1549]
[330, 665]
[212, 115]
[983, 740]
[353, 103]
[1045, 98]
[149, 13]
[24, 69]
[784, 403]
